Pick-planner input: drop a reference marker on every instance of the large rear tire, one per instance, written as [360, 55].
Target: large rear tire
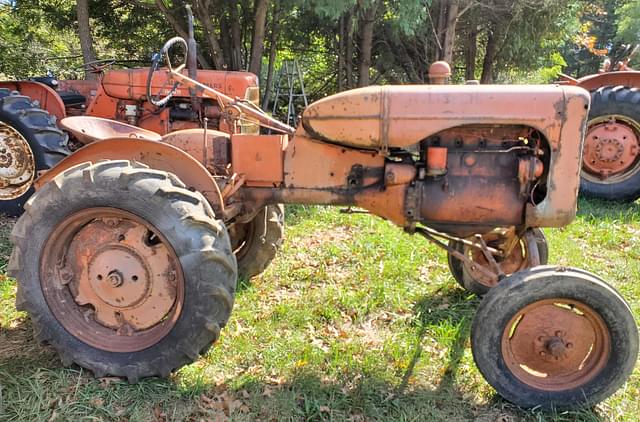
[134, 291]
[555, 338]
[29, 142]
[611, 156]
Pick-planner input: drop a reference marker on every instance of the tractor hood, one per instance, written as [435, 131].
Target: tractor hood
[380, 117]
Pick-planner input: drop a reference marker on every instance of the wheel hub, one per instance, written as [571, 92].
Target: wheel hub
[515, 261]
[611, 148]
[123, 280]
[554, 345]
[118, 277]
[17, 165]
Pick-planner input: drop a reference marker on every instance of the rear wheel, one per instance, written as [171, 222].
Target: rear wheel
[611, 155]
[555, 338]
[470, 278]
[134, 291]
[256, 243]
[29, 142]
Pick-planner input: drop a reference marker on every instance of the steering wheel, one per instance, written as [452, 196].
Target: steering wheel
[96, 66]
[156, 60]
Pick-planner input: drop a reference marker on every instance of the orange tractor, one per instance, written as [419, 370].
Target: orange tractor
[611, 157]
[125, 253]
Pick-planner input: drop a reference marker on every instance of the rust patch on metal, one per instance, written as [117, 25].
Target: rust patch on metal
[556, 344]
[112, 280]
[17, 164]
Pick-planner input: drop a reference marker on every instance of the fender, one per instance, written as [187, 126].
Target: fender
[47, 97]
[627, 78]
[156, 155]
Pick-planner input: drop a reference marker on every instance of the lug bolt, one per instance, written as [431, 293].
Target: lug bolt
[115, 278]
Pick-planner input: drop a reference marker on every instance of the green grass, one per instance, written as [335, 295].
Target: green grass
[354, 320]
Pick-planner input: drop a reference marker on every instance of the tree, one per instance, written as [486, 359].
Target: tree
[84, 33]
[257, 42]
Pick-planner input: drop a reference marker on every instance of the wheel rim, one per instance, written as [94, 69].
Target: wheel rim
[112, 280]
[516, 261]
[556, 344]
[17, 165]
[611, 149]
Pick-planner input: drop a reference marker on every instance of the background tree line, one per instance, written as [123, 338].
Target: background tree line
[340, 43]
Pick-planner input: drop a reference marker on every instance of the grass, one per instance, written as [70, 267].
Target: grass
[354, 321]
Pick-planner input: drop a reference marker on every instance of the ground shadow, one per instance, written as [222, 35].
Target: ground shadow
[307, 395]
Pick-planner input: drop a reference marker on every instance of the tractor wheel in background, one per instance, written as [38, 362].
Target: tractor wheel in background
[554, 337]
[611, 154]
[256, 243]
[478, 283]
[29, 142]
[134, 291]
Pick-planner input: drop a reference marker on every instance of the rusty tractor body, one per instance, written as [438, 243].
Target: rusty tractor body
[125, 254]
[611, 157]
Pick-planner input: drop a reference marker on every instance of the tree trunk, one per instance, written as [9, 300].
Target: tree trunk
[366, 43]
[489, 58]
[341, 62]
[273, 48]
[442, 25]
[84, 32]
[348, 49]
[236, 36]
[471, 53]
[202, 12]
[177, 26]
[448, 43]
[257, 42]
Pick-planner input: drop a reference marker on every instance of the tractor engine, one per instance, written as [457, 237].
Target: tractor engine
[484, 174]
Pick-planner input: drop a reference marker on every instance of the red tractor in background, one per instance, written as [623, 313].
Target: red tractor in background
[34, 136]
[31, 112]
[611, 155]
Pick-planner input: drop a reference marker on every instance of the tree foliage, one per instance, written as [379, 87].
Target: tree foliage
[340, 43]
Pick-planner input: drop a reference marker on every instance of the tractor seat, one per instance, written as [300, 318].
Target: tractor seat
[72, 99]
[88, 129]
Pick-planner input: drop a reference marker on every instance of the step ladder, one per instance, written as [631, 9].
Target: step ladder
[290, 90]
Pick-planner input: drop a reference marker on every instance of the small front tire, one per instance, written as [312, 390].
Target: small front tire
[554, 337]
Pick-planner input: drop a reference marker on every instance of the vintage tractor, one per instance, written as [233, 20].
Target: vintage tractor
[125, 262]
[611, 157]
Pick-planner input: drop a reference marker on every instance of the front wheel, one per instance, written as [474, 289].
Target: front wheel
[554, 337]
[123, 270]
